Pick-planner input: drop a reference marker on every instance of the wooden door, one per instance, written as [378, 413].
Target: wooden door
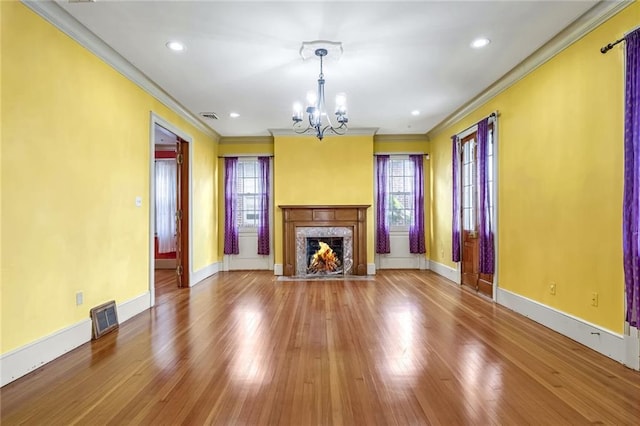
[470, 263]
[182, 213]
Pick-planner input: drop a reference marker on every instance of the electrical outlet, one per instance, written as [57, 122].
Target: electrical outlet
[594, 299]
[552, 288]
[79, 298]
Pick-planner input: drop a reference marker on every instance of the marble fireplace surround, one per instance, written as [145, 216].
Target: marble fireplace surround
[343, 219]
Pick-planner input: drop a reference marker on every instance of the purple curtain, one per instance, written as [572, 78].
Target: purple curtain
[230, 205]
[416, 230]
[382, 223]
[631, 201]
[455, 220]
[263, 205]
[484, 229]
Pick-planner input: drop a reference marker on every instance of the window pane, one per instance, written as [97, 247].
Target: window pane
[400, 192]
[408, 183]
[250, 186]
[397, 168]
[465, 219]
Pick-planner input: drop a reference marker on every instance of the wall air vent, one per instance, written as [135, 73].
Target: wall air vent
[209, 115]
[104, 318]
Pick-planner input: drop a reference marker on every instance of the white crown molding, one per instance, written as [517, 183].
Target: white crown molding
[591, 19]
[66, 23]
[409, 137]
[234, 140]
[369, 131]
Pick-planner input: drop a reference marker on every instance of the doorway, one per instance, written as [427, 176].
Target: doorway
[471, 277]
[170, 180]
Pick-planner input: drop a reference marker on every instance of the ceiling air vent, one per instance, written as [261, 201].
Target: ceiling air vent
[209, 115]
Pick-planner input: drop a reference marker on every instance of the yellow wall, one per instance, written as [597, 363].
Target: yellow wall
[205, 197]
[78, 157]
[1, 180]
[337, 170]
[560, 168]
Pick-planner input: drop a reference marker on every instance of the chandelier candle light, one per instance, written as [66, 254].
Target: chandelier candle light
[316, 109]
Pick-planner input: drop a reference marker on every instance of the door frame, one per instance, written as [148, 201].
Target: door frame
[187, 239]
[493, 119]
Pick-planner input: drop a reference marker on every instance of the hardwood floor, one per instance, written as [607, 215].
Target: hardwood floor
[407, 348]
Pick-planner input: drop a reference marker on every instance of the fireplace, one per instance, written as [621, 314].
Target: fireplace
[324, 256]
[324, 250]
[341, 228]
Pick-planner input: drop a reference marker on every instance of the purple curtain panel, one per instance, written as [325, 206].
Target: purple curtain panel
[230, 205]
[631, 198]
[416, 229]
[455, 196]
[485, 232]
[383, 244]
[263, 205]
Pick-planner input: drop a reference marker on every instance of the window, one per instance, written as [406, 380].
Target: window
[400, 192]
[469, 184]
[248, 186]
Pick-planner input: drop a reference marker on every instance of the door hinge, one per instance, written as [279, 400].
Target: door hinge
[179, 214]
[179, 270]
[179, 158]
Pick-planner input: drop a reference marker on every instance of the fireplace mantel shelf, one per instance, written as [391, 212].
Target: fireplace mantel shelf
[349, 216]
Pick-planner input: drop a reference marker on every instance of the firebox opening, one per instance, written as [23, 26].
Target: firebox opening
[325, 256]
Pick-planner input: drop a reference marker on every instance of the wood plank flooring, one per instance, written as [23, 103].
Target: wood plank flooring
[408, 348]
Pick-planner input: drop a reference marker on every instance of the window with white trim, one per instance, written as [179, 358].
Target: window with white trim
[400, 192]
[248, 186]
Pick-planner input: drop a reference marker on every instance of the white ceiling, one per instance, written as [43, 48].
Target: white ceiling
[398, 56]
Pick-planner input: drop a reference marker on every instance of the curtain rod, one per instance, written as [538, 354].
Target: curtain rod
[245, 155]
[426, 154]
[609, 46]
[493, 114]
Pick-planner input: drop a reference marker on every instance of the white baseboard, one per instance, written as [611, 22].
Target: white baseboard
[604, 341]
[371, 268]
[424, 264]
[205, 272]
[132, 307]
[277, 269]
[18, 362]
[446, 271]
[164, 263]
[632, 347]
[23, 360]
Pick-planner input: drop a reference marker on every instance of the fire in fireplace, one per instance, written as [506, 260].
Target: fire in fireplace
[324, 256]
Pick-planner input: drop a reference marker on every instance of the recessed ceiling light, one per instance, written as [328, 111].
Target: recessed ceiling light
[234, 115]
[415, 112]
[480, 42]
[176, 46]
